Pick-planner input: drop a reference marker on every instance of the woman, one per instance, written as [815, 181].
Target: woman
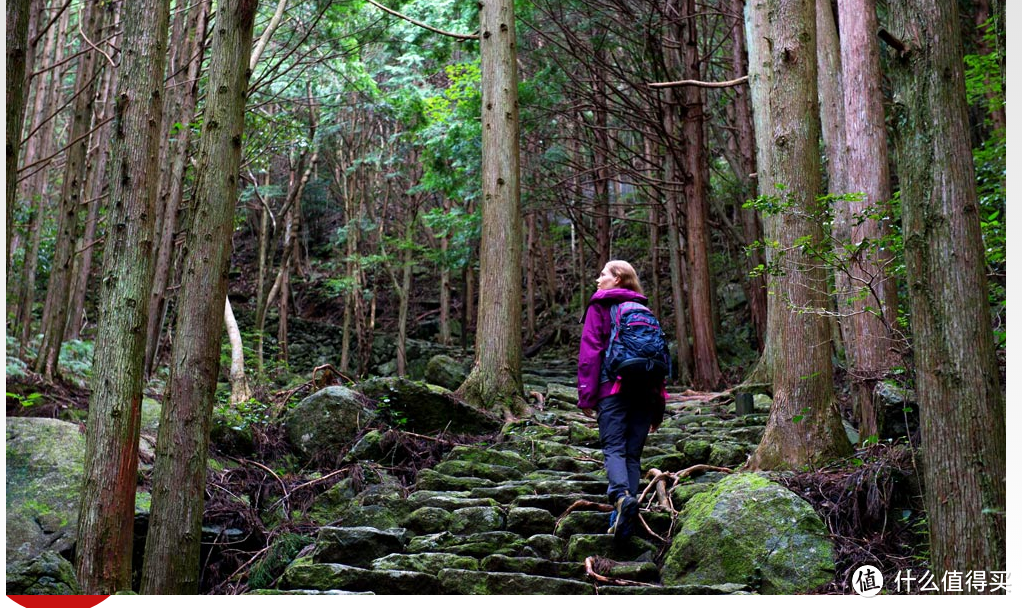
[625, 414]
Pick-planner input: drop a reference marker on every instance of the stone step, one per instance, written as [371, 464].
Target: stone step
[471, 582]
[327, 577]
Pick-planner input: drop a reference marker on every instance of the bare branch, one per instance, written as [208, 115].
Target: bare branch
[699, 83]
[423, 25]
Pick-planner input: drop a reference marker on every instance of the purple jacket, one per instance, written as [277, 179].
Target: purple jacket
[595, 335]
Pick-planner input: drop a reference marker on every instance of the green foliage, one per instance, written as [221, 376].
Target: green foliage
[984, 74]
[76, 357]
[243, 415]
[30, 400]
[394, 416]
[281, 553]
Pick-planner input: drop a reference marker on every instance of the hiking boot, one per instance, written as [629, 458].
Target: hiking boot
[622, 517]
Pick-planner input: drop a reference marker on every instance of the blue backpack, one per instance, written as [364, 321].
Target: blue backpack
[637, 351]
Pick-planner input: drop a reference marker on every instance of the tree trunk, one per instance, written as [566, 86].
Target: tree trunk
[672, 185]
[761, 79]
[706, 369]
[869, 307]
[530, 279]
[171, 563]
[107, 512]
[240, 391]
[745, 144]
[55, 317]
[18, 50]
[495, 381]
[94, 187]
[445, 284]
[962, 413]
[187, 56]
[36, 187]
[601, 154]
[804, 427]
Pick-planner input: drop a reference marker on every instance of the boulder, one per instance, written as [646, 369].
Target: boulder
[426, 408]
[47, 574]
[45, 464]
[327, 420]
[445, 371]
[356, 546]
[749, 529]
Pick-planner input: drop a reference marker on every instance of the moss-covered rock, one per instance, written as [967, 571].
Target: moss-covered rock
[426, 408]
[475, 545]
[461, 468]
[303, 574]
[530, 520]
[428, 479]
[748, 528]
[697, 450]
[560, 392]
[428, 520]
[468, 582]
[356, 546]
[280, 553]
[447, 500]
[45, 464]
[545, 546]
[326, 421]
[46, 574]
[490, 455]
[445, 371]
[429, 563]
[580, 434]
[473, 520]
[728, 454]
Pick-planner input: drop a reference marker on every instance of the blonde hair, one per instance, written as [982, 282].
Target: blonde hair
[624, 272]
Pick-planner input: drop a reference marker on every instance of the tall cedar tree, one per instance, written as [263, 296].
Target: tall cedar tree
[804, 426]
[107, 511]
[93, 16]
[171, 564]
[17, 56]
[868, 302]
[962, 407]
[496, 378]
[706, 370]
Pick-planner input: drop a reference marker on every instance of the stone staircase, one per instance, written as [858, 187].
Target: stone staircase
[527, 515]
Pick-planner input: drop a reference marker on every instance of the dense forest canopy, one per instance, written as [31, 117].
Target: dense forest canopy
[775, 171]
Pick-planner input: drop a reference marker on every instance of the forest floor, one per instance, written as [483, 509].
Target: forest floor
[872, 517]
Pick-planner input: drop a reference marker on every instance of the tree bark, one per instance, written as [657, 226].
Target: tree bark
[745, 145]
[804, 427]
[18, 12]
[869, 306]
[94, 186]
[107, 512]
[58, 287]
[706, 370]
[962, 413]
[672, 190]
[761, 82]
[171, 564]
[185, 65]
[240, 391]
[36, 187]
[495, 381]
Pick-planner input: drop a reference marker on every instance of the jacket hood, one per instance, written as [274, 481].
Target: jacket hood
[618, 294]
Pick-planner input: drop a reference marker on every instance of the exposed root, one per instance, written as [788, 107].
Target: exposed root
[595, 562]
